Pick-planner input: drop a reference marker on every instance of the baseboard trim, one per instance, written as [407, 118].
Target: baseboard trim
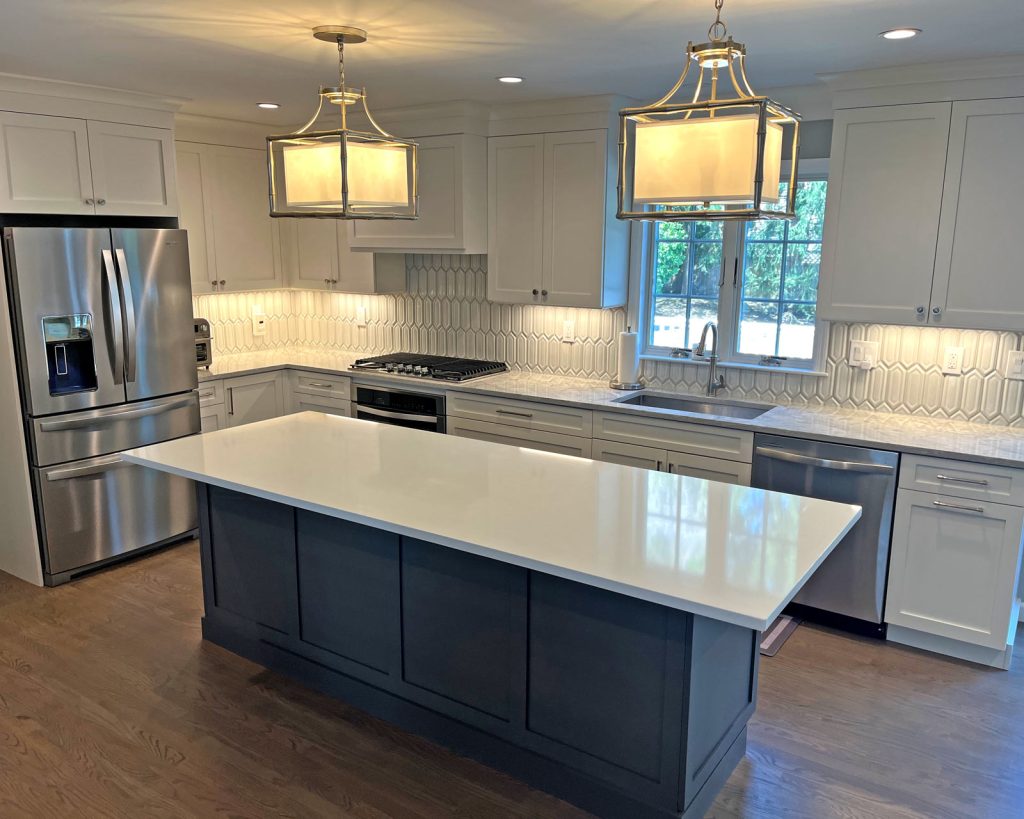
[992, 657]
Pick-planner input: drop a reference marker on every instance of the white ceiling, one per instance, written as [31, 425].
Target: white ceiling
[226, 55]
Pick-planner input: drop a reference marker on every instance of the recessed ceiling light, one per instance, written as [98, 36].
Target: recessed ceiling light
[510, 80]
[900, 33]
[270, 106]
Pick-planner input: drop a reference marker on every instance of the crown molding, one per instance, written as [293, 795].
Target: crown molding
[43, 87]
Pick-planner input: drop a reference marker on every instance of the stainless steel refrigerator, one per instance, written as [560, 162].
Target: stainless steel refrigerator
[102, 330]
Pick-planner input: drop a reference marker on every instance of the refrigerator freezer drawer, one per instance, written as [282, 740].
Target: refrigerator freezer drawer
[103, 507]
[88, 434]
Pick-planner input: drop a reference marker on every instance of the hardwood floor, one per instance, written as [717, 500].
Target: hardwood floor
[111, 705]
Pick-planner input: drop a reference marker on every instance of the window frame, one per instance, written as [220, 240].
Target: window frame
[641, 301]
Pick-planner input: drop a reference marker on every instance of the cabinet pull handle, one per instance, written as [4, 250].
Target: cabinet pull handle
[974, 481]
[321, 384]
[980, 510]
[207, 393]
[231, 400]
[658, 467]
[517, 414]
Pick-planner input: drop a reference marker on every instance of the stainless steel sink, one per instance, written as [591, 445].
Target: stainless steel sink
[722, 409]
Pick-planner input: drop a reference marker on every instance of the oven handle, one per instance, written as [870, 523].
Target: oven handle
[402, 416]
[825, 463]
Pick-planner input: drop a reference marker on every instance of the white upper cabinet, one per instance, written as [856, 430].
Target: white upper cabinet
[193, 215]
[882, 213]
[44, 165]
[132, 170]
[978, 273]
[74, 166]
[552, 235]
[452, 183]
[317, 256]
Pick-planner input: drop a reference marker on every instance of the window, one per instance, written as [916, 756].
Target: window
[757, 280]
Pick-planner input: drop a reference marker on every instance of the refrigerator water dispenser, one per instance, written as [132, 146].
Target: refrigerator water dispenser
[69, 353]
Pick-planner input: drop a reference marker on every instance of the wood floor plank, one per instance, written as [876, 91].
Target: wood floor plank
[111, 705]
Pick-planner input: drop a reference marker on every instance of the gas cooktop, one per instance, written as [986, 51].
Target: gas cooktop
[442, 368]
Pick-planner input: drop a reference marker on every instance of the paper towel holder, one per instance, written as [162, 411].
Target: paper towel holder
[627, 385]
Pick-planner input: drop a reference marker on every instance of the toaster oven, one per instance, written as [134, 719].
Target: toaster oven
[204, 346]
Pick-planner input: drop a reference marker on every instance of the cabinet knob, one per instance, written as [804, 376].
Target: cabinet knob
[90, 201]
[937, 311]
[543, 292]
[222, 282]
[101, 201]
[536, 292]
[919, 309]
[327, 281]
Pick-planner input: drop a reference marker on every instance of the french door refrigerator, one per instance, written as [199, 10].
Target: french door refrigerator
[102, 328]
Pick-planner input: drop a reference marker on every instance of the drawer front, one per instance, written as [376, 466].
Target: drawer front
[525, 414]
[332, 406]
[710, 469]
[642, 457]
[210, 393]
[678, 436]
[326, 386]
[516, 436]
[962, 479]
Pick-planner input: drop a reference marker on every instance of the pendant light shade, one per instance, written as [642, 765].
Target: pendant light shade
[709, 158]
[342, 173]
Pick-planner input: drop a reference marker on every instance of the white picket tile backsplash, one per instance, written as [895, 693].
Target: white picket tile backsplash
[445, 312]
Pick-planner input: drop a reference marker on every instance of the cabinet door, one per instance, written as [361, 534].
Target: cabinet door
[451, 178]
[313, 252]
[44, 165]
[213, 418]
[132, 170]
[882, 213]
[367, 272]
[710, 469]
[516, 436]
[253, 398]
[515, 218]
[575, 165]
[194, 215]
[332, 406]
[980, 225]
[644, 457]
[953, 567]
[245, 239]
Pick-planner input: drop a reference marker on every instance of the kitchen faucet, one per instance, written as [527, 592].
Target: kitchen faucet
[716, 382]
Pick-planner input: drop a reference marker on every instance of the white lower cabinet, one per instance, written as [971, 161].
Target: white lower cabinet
[315, 392]
[519, 436]
[953, 575]
[253, 398]
[213, 413]
[678, 463]
[331, 406]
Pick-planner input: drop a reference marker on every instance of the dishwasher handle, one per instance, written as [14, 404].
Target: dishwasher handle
[825, 463]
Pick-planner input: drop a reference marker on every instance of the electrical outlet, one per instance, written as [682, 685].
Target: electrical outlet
[953, 361]
[1015, 365]
[259, 322]
[864, 354]
[362, 316]
[569, 331]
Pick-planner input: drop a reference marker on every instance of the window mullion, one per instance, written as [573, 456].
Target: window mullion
[729, 294]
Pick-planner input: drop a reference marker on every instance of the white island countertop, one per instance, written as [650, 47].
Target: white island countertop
[727, 552]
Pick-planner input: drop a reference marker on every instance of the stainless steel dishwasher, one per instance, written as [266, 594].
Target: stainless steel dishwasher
[849, 587]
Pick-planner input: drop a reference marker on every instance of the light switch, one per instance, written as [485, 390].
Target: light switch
[362, 316]
[1015, 365]
[953, 361]
[864, 354]
[569, 331]
[259, 322]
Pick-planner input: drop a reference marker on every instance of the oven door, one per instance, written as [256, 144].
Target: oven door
[428, 423]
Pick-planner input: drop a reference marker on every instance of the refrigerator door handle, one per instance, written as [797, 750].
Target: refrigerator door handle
[129, 314]
[95, 468]
[116, 415]
[116, 316]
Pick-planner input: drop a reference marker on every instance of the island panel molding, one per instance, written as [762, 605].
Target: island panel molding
[445, 311]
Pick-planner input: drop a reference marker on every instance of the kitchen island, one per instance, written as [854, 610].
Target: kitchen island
[588, 627]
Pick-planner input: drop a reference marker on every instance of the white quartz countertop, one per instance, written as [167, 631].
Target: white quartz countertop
[922, 435]
[727, 552]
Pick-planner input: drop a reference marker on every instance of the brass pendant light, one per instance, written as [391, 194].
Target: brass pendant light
[342, 173]
[719, 157]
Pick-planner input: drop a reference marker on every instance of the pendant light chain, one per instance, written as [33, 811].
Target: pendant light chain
[341, 64]
[717, 31]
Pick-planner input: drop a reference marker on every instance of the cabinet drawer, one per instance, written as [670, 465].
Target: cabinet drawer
[210, 393]
[963, 479]
[642, 457]
[517, 436]
[332, 406]
[526, 414]
[326, 386]
[678, 436]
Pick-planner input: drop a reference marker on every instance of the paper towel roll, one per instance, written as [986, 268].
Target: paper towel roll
[628, 371]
